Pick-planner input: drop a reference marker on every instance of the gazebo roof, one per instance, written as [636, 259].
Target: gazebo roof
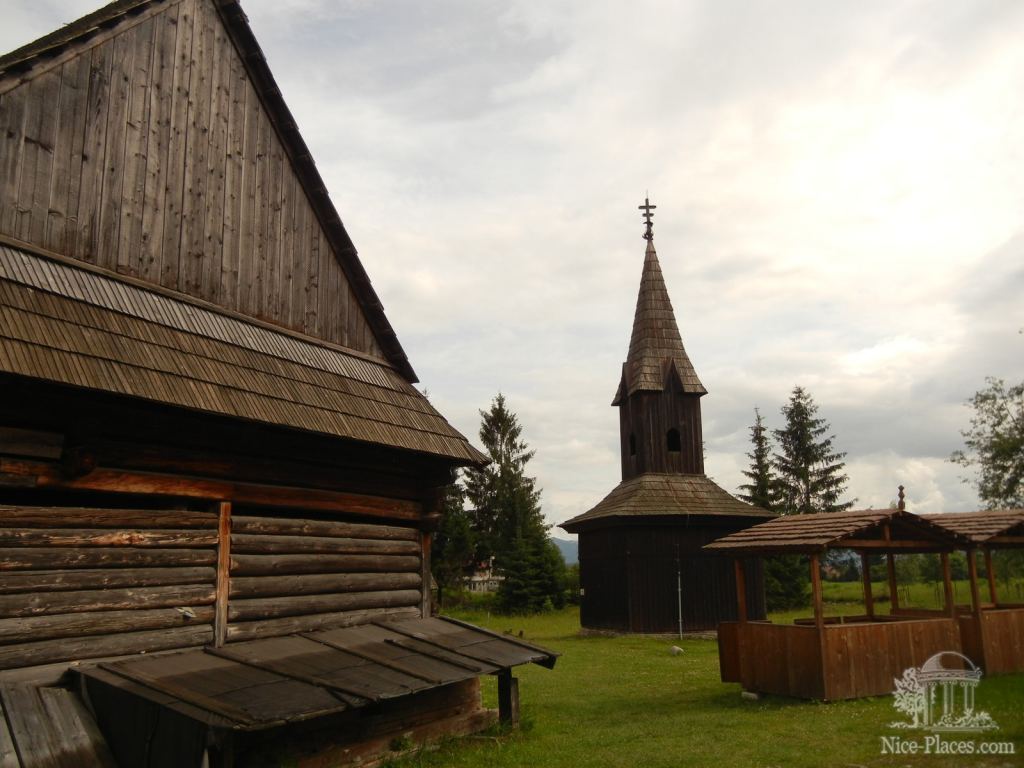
[655, 494]
[880, 530]
[990, 527]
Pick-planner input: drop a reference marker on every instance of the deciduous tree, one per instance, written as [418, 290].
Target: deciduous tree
[995, 444]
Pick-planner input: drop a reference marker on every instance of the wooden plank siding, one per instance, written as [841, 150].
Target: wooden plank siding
[294, 574]
[151, 155]
[83, 583]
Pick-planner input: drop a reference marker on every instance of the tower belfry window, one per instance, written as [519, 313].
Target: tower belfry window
[673, 440]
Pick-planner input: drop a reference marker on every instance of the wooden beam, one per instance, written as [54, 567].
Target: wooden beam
[869, 599]
[972, 574]
[889, 544]
[819, 615]
[425, 603]
[508, 698]
[152, 483]
[220, 615]
[990, 574]
[947, 583]
[741, 590]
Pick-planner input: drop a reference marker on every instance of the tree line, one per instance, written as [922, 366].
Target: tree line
[493, 519]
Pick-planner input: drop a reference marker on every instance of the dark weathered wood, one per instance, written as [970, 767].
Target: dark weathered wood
[741, 590]
[869, 598]
[296, 526]
[947, 584]
[426, 608]
[19, 582]
[31, 442]
[819, 614]
[972, 575]
[508, 698]
[265, 544]
[894, 594]
[105, 600]
[312, 584]
[93, 646]
[71, 537]
[29, 727]
[31, 628]
[296, 605]
[82, 517]
[26, 558]
[194, 487]
[83, 743]
[220, 625]
[252, 630]
[262, 565]
[1002, 632]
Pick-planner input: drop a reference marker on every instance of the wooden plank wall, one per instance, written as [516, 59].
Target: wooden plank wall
[150, 154]
[1003, 637]
[290, 574]
[85, 583]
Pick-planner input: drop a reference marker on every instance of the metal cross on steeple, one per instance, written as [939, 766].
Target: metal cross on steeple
[647, 208]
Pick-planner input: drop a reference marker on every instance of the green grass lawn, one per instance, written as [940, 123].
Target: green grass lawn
[626, 701]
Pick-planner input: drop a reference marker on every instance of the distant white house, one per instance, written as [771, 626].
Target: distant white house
[484, 578]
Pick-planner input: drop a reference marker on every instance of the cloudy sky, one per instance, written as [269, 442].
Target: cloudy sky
[840, 192]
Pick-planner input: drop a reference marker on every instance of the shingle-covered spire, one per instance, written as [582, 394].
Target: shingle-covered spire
[655, 345]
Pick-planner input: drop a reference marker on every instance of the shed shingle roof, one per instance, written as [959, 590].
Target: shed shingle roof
[664, 495]
[815, 533]
[655, 343]
[67, 324]
[982, 526]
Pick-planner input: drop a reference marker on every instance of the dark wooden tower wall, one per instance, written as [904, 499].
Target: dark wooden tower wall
[631, 576]
[661, 432]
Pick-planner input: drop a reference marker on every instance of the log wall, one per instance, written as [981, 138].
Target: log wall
[81, 583]
[294, 574]
[151, 154]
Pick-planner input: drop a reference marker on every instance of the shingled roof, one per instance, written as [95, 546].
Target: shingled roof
[665, 495]
[655, 345]
[21, 63]
[991, 526]
[855, 529]
[65, 322]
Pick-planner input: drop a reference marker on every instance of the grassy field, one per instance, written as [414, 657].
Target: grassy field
[627, 701]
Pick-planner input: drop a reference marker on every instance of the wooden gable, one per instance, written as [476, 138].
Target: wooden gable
[147, 145]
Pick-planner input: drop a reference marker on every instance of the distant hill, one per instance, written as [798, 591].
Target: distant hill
[569, 549]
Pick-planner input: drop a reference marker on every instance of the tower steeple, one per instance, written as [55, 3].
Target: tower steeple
[659, 390]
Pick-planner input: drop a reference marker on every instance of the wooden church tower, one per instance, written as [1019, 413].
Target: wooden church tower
[641, 568]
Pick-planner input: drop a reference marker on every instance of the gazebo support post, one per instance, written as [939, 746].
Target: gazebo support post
[894, 595]
[819, 617]
[869, 599]
[947, 583]
[741, 591]
[991, 577]
[972, 574]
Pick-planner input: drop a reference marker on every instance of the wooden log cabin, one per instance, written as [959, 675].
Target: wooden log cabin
[642, 569]
[209, 433]
[837, 657]
[992, 629]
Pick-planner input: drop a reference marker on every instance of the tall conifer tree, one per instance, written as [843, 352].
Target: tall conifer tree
[762, 490]
[809, 470]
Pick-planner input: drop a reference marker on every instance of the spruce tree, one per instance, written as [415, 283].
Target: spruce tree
[453, 545]
[761, 491]
[507, 519]
[809, 470]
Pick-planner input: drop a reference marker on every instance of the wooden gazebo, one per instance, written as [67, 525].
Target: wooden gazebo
[993, 632]
[839, 657]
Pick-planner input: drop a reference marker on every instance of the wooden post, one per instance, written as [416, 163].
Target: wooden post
[220, 614]
[508, 698]
[869, 599]
[991, 577]
[890, 560]
[947, 583]
[819, 616]
[425, 603]
[741, 591]
[972, 574]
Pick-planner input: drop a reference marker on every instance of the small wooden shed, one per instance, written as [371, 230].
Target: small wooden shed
[641, 564]
[839, 657]
[209, 435]
[992, 631]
